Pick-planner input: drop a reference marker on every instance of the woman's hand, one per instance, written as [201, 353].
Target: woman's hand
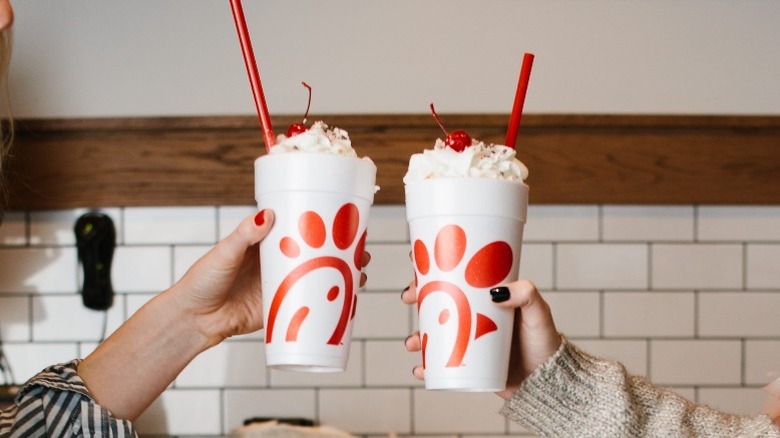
[222, 289]
[218, 297]
[534, 340]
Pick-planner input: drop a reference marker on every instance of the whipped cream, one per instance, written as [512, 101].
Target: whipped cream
[318, 138]
[479, 160]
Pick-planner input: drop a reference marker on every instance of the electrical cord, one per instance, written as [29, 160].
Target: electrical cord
[105, 327]
[8, 389]
[5, 368]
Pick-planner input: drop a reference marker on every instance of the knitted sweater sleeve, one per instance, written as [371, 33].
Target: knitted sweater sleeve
[577, 395]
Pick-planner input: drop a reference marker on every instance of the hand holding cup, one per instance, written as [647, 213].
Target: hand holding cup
[534, 337]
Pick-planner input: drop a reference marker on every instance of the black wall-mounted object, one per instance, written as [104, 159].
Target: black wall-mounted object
[95, 242]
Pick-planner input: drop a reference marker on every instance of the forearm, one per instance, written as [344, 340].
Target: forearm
[574, 394]
[128, 371]
[218, 297]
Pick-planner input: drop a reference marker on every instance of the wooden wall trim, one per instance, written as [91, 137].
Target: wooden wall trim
[573, 159]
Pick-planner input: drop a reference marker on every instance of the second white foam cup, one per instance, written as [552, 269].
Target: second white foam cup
[466, 236]
[311, 260]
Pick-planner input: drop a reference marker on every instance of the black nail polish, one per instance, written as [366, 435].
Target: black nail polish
[499, 294]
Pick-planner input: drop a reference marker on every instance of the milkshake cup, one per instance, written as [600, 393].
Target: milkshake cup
[311, 260]
[466, 205]
[466, 236]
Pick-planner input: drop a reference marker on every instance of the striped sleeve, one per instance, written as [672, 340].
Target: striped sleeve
[56, 403]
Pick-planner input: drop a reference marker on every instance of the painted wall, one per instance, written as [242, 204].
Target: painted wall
[87, 58]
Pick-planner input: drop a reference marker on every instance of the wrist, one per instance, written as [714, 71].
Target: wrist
[153, 346]
[190, 321]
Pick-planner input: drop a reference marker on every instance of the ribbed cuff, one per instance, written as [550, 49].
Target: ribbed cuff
[572, 394]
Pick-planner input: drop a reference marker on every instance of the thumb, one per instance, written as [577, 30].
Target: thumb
[249, 232]
[523, 295]
[536, 338]
[534, 319]
[253, 229]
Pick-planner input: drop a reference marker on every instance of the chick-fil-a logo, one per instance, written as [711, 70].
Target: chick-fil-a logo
[313, 232]
[485, 268]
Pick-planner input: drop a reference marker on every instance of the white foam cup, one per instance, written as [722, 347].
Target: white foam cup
[311, 260]
[466, 236]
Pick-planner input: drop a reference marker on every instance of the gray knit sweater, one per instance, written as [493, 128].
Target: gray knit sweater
[576, 395]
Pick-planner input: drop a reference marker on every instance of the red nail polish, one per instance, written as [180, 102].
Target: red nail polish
[260, 218]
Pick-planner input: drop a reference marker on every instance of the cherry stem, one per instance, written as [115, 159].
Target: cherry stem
[436, 116]
[308, 105]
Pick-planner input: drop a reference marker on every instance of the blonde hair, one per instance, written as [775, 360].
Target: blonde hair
[6, 122]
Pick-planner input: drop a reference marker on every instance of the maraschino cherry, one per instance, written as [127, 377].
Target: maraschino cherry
[457, 140]
[299, 128]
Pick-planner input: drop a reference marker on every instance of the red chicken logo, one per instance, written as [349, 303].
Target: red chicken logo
[487, 267]
[313, 233]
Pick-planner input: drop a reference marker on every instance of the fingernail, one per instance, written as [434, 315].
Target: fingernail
[404, 291]
[407, 339]
[260, 218]
[499, 294]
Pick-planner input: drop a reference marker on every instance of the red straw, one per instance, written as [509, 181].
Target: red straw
[254, 75]
[517, 108]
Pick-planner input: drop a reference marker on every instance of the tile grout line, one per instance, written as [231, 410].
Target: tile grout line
[744, 265]
[600, 224]
[696, 313]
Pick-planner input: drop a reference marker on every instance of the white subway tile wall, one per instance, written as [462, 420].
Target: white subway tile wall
[56, 227]
[49, 270]
[649, 223]
[13, 230]
[170, 225]
[687, 296]
[65, 318]
[697, 266]
[139, 269]
[759, 357]
[761, 266]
